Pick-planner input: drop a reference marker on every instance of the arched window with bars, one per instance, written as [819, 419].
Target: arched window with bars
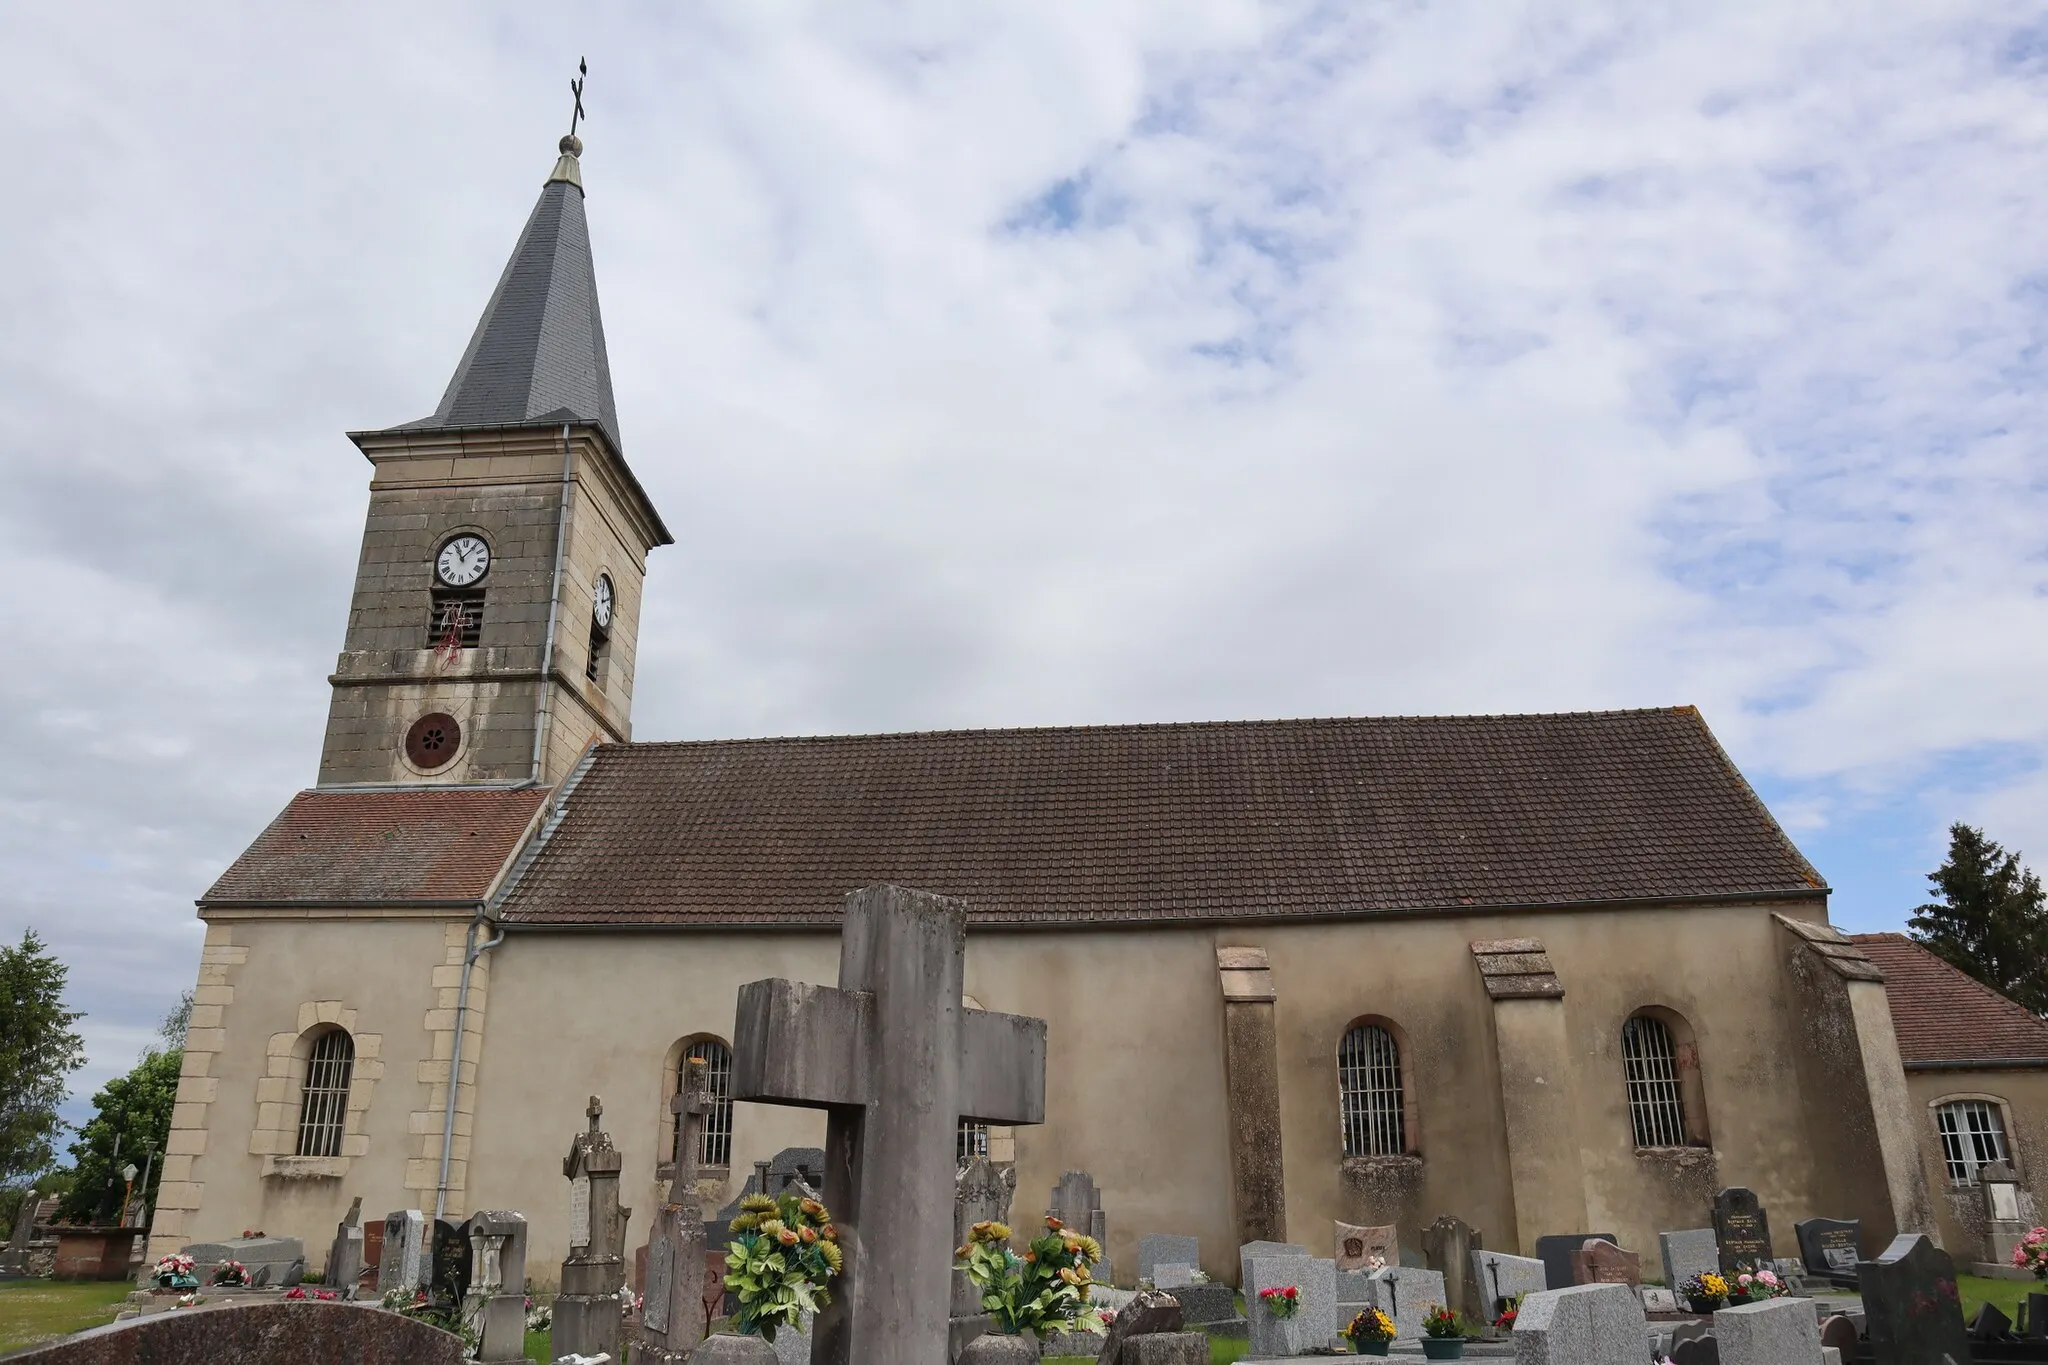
[1371, 1102]
[715, 1147]
[1653, 1077]
[323, 1103]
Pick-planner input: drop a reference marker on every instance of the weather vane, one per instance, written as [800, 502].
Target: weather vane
[576, 89]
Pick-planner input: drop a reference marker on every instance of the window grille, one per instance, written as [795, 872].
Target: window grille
[456, 618]
[1649, 1060]
[600, 649]
[973, 1139]
[1369, 1093]
[1972, 1136]
[714, 1148]
[323, 1112]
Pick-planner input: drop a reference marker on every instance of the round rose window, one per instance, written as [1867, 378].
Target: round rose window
[433, 740]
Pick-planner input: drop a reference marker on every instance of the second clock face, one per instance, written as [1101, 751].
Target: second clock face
[462, 561]
[601, 601]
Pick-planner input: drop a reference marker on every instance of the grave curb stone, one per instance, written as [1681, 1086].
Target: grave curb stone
[1773, 1332]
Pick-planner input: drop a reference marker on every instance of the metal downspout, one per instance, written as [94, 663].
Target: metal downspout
[544, 716]
[475, 951]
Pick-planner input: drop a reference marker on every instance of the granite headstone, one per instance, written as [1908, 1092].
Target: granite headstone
[1742, 1230]
[1556, 1252]
[1588, 1324]
[1913, 1314]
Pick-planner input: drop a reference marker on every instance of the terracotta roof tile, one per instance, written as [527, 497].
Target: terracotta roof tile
[1942, 1014]
[424, 844]
[1223, 821]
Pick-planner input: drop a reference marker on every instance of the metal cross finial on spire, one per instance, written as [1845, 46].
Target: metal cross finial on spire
[576, 89]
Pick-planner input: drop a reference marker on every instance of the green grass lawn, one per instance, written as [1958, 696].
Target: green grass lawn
[2008, 1295]
[35, 1311]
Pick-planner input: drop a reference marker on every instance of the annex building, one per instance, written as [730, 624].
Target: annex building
[1545, 972]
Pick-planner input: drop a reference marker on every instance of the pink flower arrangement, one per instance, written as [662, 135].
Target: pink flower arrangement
[2032, 1253]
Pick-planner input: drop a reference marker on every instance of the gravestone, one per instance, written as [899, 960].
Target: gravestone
[1829, 1248]
[1587, 1324]
[1912, 1312]
[495, 1304]
[448, 1265]
[1077, 1202]
[981, 1194]
[1989, 1323]
[1405, 1294]
[897, 1063]
[1686, 1254]
[1602, 1262]
[270, 1257]
[1146, 1315]
[401, 1260]
[1697, 1351]
[345, 1256]
[792, 1166]
[14, 1260]
[1172, 1275]
[2036, 1316]
[587, 1321]
[1772, 1332]
[1204, 1304]
[1447, 1247]
[258, 1331]
[1556, 1252]
[2007, 1209]
[1658, 1299]
[1742, 1230]
[1155, 1248]
[1839, 1331]
[1167, 1348]
[1501, 1277]
[672, 1317]
[1314, 1322]
[793, 1344]
[1252, 1251]
[1357, 1246]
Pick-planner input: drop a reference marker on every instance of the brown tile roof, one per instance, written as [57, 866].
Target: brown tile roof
[423, 845]
[1944, 1015]
[1224, 821]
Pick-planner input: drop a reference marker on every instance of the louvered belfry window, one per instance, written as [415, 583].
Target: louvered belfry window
[1972, 1137]
[1369, 1093]
[323, 1112]
[1649, 1060]
[455, 618]
[715, 1147]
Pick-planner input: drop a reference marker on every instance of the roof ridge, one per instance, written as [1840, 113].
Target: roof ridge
[1945, 965]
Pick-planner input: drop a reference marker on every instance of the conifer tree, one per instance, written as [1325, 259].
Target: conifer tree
[1991, 920]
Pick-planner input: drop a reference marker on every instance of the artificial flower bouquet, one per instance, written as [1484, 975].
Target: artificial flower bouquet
[1281, 1302]
[2032, 1253]
[230, 1273]
[783, 1254]
[1705, 1291]
[175, 1272]
[1370, 1326]
[1754, 1288]
[1443, 1323]
[1045, 1288]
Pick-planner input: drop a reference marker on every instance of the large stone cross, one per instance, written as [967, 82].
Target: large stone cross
[672, 1307]
[896, 1062]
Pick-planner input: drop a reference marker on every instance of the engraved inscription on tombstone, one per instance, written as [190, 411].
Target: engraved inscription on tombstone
[1742, 1230]
[579, 1211]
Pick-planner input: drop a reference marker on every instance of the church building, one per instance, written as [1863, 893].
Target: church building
[1548, 973]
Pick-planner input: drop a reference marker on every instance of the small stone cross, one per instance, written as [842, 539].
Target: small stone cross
[691, 1106]
[896, 1061]
[594, 1111]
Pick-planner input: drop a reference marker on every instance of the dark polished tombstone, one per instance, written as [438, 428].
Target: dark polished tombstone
[1557, 1250]
[1840, 1332]
[1913, 1314]
[1698, 1351]
[448, 1279]
[1990, 1324]
[1742, 1230]
[2037, 1316]
[1829, 1248]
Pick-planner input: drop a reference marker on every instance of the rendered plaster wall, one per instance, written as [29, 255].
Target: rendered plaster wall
[2022, 1097]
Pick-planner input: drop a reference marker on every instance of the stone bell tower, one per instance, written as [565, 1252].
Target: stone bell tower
[491, 637]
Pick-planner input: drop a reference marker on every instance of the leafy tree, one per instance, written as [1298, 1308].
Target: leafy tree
[136, 1108]
[38, 1050]
[1991, 920]
[172, 1029]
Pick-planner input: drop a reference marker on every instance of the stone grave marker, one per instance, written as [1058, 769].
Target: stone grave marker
[587, 1321]
[1697, 1351]
[1447, 1247]
[1357, 1245]
[1167, 1348]
[495, 1303]
[1658, 1299]
[1155, 1248]
[1501, 1277]
[1830, 1248]
[448, 1264]
[1314, 1323]
[1912, 1312]
[1077, 1202]
[2007, 1211]
[1556, 1252]
[1149, 1314]
[269, 1260]
[401, 1260]
[1989, 1323]
[14, 1260]
[1252, 1251]
[896, 1062]
[1405, 1294]
[1742, 1230]
[345, 1256]
[1204, 1304]
[2036, 1316]
[672, 1319]
[1839, 1331]
[1772, 1332]
[1602, 1262]
[803, 1166]
[259, 1331]
[981, 1193]
[1172, 1275]
[1587, 1324]
[1686, 1254]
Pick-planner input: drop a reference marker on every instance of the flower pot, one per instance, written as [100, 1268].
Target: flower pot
[1370, 1348]
[727, 1349]
[1443, 1348]
[1705, 1305]
[1000, 1348]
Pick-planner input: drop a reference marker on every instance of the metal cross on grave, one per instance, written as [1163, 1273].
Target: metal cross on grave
[896, 1062]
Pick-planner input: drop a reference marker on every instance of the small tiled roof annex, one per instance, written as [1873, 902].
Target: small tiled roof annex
[431, 845]
[1941, 1014]
[1162, 823]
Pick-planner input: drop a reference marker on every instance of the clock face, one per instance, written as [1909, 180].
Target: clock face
[462, 561]
[601, 601]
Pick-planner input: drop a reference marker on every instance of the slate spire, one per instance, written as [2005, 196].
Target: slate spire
[538, 355]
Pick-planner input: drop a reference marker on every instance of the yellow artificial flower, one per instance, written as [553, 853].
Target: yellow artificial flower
[830, 1251]
[757, 1203]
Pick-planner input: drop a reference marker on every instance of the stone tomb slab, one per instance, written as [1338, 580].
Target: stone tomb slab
[1314, 1323]
[1774, 1332]
[1587, 1324]
[1913, 1314]
[1157, 1248]
[1686, 1254]
[271, 1257]
[1502, 1276]
[1167, 1348]
[1556, 1252]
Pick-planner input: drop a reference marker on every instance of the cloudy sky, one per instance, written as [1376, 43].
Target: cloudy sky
[1028, 363]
